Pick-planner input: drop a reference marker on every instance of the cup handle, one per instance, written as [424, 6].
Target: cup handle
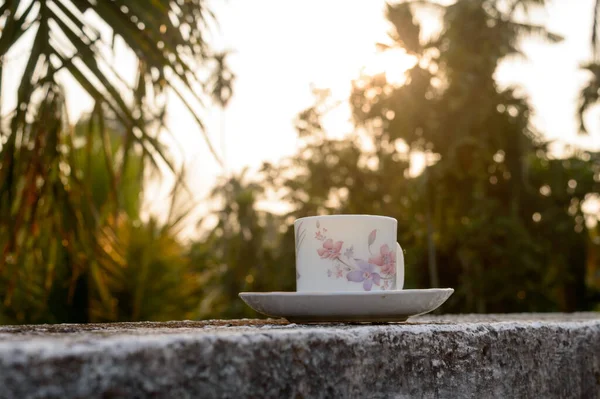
[399, 267]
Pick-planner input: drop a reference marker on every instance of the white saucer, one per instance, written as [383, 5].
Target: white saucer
[371, 306]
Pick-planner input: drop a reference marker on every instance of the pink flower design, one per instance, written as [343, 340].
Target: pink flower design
[319, 236]
[365, 275]
[330, 250]
[386, 260]
[339, 273]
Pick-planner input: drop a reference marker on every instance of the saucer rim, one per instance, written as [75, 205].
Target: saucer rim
[291, 305]
[352, 293]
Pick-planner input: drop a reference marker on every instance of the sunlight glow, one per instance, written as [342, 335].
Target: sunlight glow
[338, 78]
[394, 63]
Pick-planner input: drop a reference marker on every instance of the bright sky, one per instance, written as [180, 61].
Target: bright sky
[282, 47]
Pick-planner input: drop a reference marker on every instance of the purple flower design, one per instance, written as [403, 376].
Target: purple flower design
[364, 275]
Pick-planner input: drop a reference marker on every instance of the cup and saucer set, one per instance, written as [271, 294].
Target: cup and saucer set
[349, 268]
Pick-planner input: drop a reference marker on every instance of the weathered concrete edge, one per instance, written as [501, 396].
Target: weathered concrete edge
[74, 344]
[557, 359]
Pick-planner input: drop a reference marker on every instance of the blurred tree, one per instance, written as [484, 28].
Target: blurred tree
[55, 210]
[221, 91]
[147, 277]
[595, 30]
[166, 36]
[157, 281]
[483, 192]
[47, 223]
[589, 97]
[242, 252]
[492, 208]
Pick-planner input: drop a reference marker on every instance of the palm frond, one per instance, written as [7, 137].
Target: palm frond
[58, 213]
[167, 38]
[538, 31]
[595, 28]
[590, 94]
[406, 28]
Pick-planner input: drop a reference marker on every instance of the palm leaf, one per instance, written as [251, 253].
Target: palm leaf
[142, 27]
[536, 31]
[590, 94]
[406, 29]
[14, 27]
[595, 28]
[43, 188]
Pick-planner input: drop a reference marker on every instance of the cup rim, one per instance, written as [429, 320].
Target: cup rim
[350, 215]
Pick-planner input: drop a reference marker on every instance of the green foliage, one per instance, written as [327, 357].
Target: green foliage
[167, 37]
[243, 252]
[47, 220]
[135, 271]
[62, 190]
[156, 281]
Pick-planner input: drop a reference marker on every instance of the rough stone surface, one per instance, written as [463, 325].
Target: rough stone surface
[493, 356]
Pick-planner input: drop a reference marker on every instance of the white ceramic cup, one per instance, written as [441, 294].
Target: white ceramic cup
[348, 253]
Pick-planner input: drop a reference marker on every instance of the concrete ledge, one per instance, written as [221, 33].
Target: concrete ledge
[494, 356]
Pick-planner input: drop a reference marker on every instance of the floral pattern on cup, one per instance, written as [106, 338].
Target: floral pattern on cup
[386, 260]
[300, 235]
[366, 275]
[379, 269]
[330, 250]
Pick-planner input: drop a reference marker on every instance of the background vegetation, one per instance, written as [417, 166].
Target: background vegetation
[494, 214]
